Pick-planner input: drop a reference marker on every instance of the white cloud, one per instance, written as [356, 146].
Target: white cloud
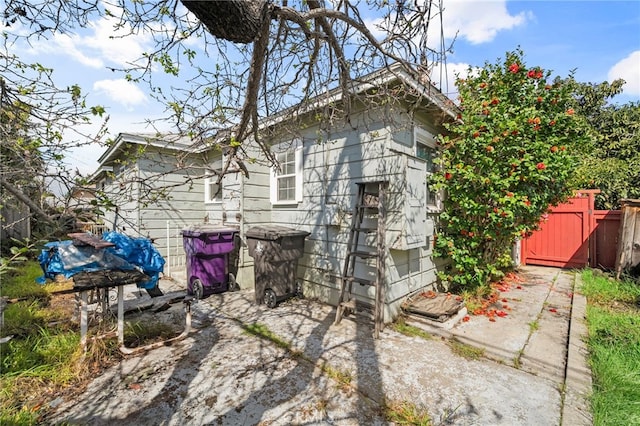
[453, 71]
[479, 21]
[628, 69]
[98, 45]
[121, 91]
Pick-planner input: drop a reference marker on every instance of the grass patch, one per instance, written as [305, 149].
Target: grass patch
[601, 289]
[466, 351]
[409, 330]
[406, 413]
[534, 326]
[44, 357]
[344, 378]
[613, 318]
[21, 282]
[262, 331]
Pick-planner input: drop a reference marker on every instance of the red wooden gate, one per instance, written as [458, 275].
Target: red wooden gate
[563, 237]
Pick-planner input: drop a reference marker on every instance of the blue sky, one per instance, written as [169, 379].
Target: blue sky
[600, 39]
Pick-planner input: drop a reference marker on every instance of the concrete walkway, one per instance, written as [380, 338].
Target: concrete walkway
[319, 373]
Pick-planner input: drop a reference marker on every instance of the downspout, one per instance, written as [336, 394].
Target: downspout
[241, 222]
[138, 209]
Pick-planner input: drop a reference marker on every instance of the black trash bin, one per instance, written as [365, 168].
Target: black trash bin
[212, 258]
[275, 250]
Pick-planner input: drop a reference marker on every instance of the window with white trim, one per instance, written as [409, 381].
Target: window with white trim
[213, 190]
[286, 176]
[426, 149]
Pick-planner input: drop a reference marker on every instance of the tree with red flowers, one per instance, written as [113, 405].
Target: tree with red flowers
[511, 155]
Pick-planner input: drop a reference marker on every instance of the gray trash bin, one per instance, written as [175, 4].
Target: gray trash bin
[275, 250]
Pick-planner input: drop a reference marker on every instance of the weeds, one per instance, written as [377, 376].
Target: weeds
[465, 351]
[613, 318]
[141, 333]
[475, 299]
[409, 330]
[44, 356]
[262, 331]
[534, 326]
[406, 413]
[516, 359]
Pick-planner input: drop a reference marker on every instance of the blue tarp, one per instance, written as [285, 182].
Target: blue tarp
[64, 258]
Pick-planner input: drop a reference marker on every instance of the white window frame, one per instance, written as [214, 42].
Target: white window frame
[211, 187]
[287, 147]
[423, 137]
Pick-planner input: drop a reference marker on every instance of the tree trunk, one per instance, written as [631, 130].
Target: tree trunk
[234, 20]
[26, 200]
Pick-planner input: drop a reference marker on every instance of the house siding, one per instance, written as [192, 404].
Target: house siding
[380, 149]
[179, 190]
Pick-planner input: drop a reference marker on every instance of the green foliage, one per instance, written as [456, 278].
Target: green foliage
[512, 156]
[613, 319]
[19, 280]
[601, 289]
[612, 163]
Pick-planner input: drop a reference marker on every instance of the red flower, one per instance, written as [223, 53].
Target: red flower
[531, 74]
[466, 318]
[539, 99]
[483, 85]
[570, 111]
[552, 122]
[476, 134]
[514, 68]
[527, 203]
[509, 194]
[541, 166]
[447, 175]
[489, 148]
[554, 148]
[495, 101]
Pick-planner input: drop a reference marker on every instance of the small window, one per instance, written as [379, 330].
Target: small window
[212, 191]
[427, 151]
[286, 177]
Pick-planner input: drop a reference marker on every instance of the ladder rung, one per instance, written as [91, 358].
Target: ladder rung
[361, 281]
[365, 229]
[363, 254]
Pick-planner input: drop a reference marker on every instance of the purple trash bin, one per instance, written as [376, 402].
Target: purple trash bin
[208, 249]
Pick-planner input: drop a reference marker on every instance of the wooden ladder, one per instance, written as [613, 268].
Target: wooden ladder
[370, 203]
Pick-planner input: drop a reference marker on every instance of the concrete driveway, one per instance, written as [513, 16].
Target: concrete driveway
[310, 371]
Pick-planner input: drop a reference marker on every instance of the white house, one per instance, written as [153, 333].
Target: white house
[155, 185]
[314, 189]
